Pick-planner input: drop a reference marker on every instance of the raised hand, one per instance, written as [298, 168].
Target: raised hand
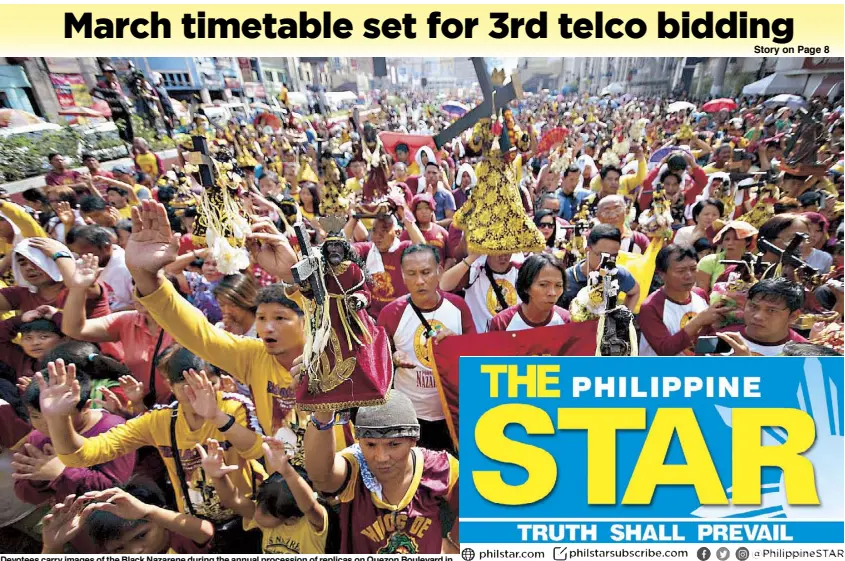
[37, 465]
[61, 393]
[46, 312]
[87, 270]
[132, 389]
[201, 394]
[23, 383]
[152, 245]
[31, 315]
[65, 213]
[110, 402]
[212, 461]
[272, 252]
[120, 503]
[276, 456]
[64, 522]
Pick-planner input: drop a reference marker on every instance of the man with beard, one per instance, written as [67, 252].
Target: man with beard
[347, 358]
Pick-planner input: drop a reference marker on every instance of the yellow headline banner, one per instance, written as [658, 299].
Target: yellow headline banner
[422, 30]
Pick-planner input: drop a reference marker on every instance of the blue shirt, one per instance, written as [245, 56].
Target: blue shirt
[444, 201]
[569, 203]
[575, 281]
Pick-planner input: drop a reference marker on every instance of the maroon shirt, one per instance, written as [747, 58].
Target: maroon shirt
[67, 177]
[76, 481]
[371, 526]
[389, 285]
[20, 298]
[12, 354]
[435, 236]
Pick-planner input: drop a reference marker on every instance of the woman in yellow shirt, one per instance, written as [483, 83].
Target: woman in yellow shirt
[309, 201]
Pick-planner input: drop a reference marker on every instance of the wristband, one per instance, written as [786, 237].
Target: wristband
[464, 261]
[61, 255]
[322, 426]
[228, 425]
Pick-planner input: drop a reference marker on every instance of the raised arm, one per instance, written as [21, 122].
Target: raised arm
[204, 400]
[215, 467]
[59, 397]
[28, 226]
[278, 461]
[75, 324]
[327, 469]
[410, 225]
[451, 279]
[122, 504]
[151, 247]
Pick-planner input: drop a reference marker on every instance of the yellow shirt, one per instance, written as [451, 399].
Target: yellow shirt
[300, 537]
[711, 168]
[153, 429]
[148, 164]
[627, 183]
[125, 212]
[244, 358]
[413, 169]
[28, 226]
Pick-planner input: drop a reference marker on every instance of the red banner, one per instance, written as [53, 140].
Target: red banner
[71, 90]
[414, 142]
[63, 90]
[572, 339]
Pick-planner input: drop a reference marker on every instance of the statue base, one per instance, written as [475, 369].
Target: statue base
[367, 385]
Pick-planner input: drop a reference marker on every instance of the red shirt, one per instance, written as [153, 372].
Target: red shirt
[370, 526]
[139, 344]
[67, 177]
[20, 298]
[435, 236]
[388, 285]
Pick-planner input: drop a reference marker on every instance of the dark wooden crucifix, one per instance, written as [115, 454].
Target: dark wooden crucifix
[493, 99]
[201, 158]
[307, 271]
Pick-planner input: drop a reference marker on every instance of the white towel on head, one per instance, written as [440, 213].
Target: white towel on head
[418, 157]
[25, 249]
[466, 168]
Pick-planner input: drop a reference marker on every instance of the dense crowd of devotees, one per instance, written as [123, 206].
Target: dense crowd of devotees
[148, 401]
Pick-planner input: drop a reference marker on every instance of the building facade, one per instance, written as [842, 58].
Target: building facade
[45, 86]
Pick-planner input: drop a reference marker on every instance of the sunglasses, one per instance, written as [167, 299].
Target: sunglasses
[547, 225]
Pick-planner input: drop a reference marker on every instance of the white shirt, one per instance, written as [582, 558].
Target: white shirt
[820, 260]
[117, 279]
[481, 298]
[406, 331]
